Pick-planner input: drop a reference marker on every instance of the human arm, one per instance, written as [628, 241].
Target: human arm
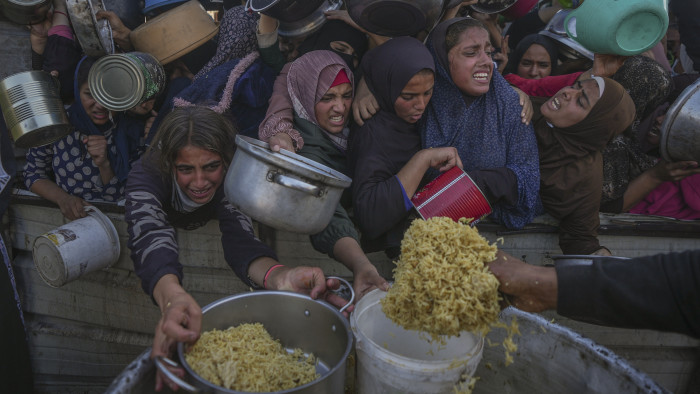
[657, 292]
[36, 178]
[280, 117]
[348, 252]
[120, 33]
[268, 43]
[650, 179]
[543, 87]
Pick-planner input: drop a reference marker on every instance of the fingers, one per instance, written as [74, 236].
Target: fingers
[356, 115]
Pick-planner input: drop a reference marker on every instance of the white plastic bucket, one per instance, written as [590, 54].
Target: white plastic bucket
[391, 359]
[84, 245]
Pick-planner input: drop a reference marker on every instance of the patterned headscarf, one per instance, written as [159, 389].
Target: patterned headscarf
[237, 38]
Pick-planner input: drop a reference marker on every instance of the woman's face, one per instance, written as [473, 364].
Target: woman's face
[334, 107]
[344, 47]
[414, 97]
[471, 66]
[535, 63]
[198, 173]
[98, 114]
[571, 104]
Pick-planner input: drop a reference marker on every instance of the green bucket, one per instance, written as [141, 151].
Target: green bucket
[621, 27]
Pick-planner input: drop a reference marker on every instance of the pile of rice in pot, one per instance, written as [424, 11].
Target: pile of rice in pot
[247, 358]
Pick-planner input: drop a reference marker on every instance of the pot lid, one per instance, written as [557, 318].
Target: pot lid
[292, 162]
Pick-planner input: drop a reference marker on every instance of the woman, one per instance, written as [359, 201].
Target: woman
[573, 128]
[321, 88]
[475, 110]
[92, 162]
[534, 57]
[178, 184]
[336, 35]
[385, 153]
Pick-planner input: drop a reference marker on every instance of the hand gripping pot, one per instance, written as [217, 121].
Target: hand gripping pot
[282, 190]
[295, 320]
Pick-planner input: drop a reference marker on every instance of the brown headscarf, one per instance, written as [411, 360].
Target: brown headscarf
[571, 167]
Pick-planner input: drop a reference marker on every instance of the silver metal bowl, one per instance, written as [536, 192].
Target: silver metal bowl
[568, 47]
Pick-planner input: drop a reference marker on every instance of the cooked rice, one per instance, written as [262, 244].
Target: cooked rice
[442, 285]
[247, 358]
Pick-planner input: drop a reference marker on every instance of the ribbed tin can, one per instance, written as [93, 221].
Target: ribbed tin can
[32, 108]
[124, 80]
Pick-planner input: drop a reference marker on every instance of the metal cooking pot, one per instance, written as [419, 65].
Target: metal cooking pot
[285, 10]
[395, 18]
[25, 12]
[568, 47]
[175, 32]
[282, 190]
[680, 130]
[95, 37]
[32, 108]
[581, 259]
[492, 6]
[311, 23]
[296, 321]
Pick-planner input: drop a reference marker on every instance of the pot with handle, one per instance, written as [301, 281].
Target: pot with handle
[295, 320]
[395, 17]
[283, 190]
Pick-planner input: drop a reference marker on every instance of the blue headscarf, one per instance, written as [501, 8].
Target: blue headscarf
[127, 132]
[488, 133]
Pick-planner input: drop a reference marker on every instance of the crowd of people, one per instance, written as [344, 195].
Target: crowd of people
[536, 132]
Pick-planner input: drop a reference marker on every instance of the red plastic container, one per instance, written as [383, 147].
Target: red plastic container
[452, 194]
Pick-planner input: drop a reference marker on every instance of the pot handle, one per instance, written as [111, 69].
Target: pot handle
[294, 183]
[160, 363]
[352, 292]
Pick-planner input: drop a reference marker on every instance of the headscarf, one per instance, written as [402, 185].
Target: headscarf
[336, 30]
[385, 76]
[127, 131]
[488, 134]
[646, 81]
[309, 78]
[525, 44]
[236, 37]
[571, 166]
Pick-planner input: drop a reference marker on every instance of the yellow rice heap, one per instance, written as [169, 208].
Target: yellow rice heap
[441, 283]
[247, 358]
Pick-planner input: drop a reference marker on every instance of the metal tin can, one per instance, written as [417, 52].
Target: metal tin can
[121, 81]
[32, 108]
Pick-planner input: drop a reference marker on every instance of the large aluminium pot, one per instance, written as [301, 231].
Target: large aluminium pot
[282, 190]
[680, 130]
[296, 321]
[395, 17]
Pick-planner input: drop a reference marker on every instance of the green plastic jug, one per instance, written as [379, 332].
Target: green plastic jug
[621, 27]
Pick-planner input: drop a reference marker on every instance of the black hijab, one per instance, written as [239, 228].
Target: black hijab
[386, 77]
[525, 44]
[335, 30]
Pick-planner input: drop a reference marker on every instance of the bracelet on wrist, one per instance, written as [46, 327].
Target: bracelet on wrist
[267, 274]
